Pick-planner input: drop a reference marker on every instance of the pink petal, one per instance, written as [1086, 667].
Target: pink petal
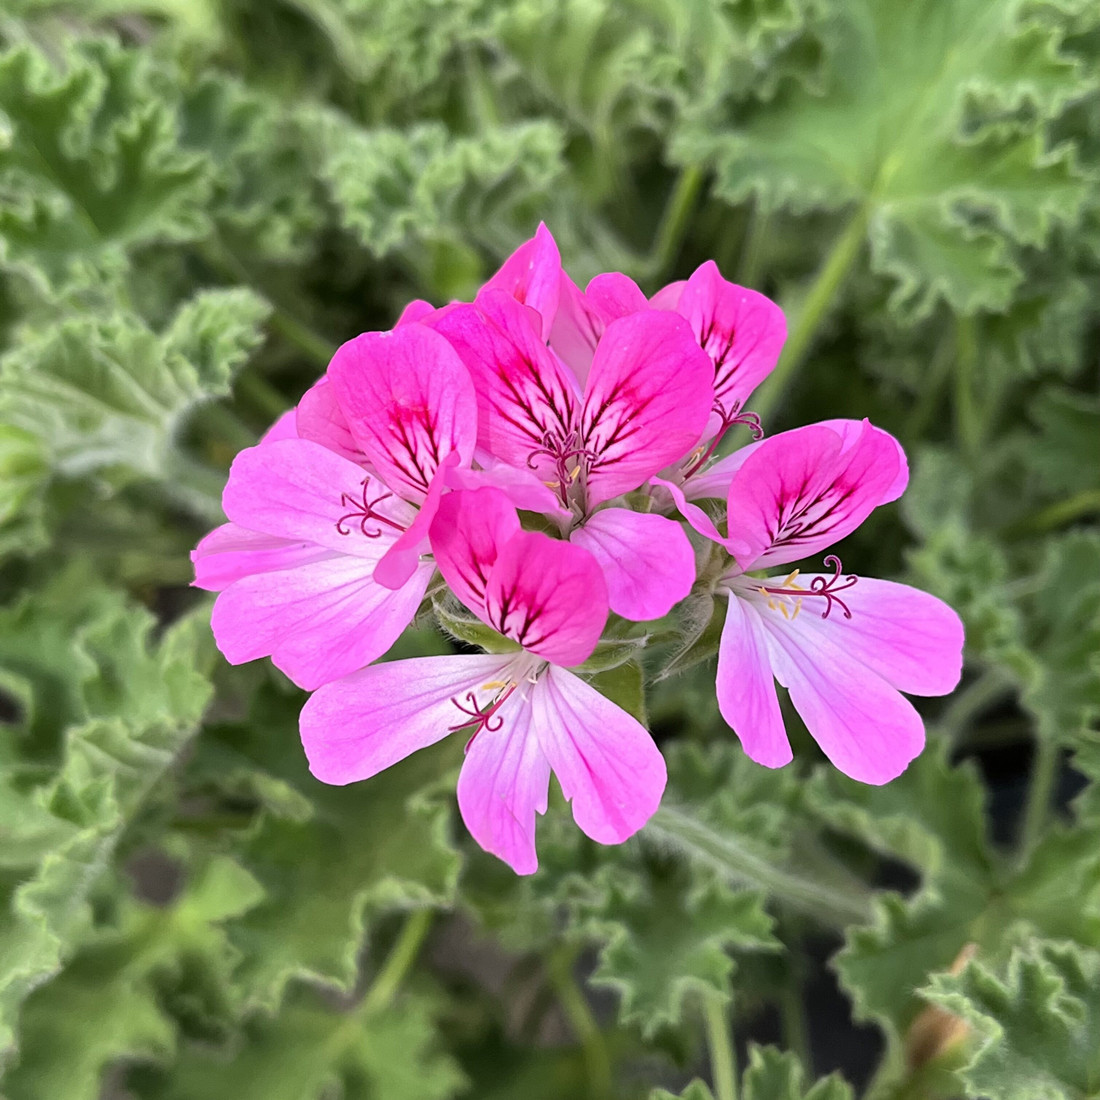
[668, 297]
[519, 484]
[230, 552]
[698, 519]
[504, 783]
[409, 402]
[402, 558]
[321, 420]
[909, 638]
[299, 490]
[803, 490]
[863, 725]
[317, 621]
[525, 394]
[285, 427]
[646, 403]
[713, 482]
[850, 432]
[746, 687]
[607, 764]
[549, 596]
[577, 329]
[615, 295]
[415, 311]
[647, 560]
[361, 725]
[742, 331]
[467, 534]
[532, 275]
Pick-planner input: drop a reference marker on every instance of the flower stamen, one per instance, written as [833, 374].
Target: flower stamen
[363, 511]
[700, 456]
[825, 587]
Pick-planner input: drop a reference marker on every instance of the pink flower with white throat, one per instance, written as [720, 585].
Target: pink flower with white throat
[320, 564]
[524, 713]
[845, 647]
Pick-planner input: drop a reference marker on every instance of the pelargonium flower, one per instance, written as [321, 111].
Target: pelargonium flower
[320, 564]
[845, 647]
[645, 403]
[524, 712]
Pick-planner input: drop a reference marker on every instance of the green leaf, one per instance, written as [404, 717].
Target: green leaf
[364, 850]
[770, 1075]
[132, 707]
[90, 165]
[667, 935]
[912, 132]
[1035, 1028]
[314, 1049]
[109, 395]
[115, 999]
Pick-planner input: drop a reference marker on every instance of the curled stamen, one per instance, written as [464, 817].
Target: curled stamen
[561, 452]
[825, 587]
[699, 457]
[363, 512]
[482, 719]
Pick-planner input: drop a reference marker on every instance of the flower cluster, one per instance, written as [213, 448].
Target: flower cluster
[545, 449]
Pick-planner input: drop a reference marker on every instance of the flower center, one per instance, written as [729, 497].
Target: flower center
[790, 594]
[700, 456]
[568, 460]
[483, 716]
[363, 512]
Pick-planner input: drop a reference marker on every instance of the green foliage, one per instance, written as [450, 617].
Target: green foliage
[199, 201]
[1035, 1029]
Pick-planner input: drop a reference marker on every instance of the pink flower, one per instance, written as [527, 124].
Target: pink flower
[525, 713]
[844, 647]
[319, 567]
[645, 403]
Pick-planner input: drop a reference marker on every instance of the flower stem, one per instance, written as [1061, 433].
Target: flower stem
[670, 233]
[822, 294]
[573, 1002]
[730, 858]
[723, 1063]
[1052, 516]
[1044, 775]
[403, 954]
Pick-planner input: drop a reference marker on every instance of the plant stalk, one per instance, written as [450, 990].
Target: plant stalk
[723, 1062]
[388, 980]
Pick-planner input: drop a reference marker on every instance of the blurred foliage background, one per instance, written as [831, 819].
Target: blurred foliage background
[199, 199]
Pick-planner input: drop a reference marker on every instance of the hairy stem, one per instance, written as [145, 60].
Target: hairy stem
[815, 309]
[732, 859]
[401, 957]
[1052, 516]
[1044, 776]
[723, 1063]
[573, 1002]
[674, 220]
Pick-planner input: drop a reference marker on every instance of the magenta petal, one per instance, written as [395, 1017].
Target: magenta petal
[646, 403]
[746, 687]
[909, 638]
[469, 529]
[577, 329]
[230, 552]
[668, 297]
[320, 419]
[803, 490]
[518, 483]
[532, 275]
[409, 402]
[504, 783]
[317, 621]
[713, 482]
[647, 560]
[548, 595]
[400, 561]
[415, 311]
[863, 725]
[605, 760]
[299, 490]
[615, 295]
[851, 432]
[742, 331]
[698, 520]
[525, 394]
[360, 725]
[285, 427]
